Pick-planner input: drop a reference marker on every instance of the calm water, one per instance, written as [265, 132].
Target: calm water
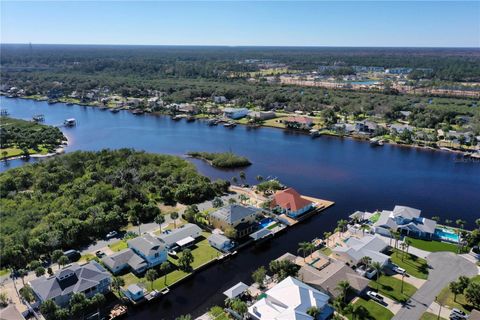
[353, 174]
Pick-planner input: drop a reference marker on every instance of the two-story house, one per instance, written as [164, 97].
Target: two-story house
[152, 250]
[242, 219]
[89, 279]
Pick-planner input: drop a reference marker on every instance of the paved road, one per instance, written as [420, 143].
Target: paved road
[445, 267]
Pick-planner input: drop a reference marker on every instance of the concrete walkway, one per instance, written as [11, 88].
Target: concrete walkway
[415, 251]
[445, 268]
[416, 282]
[435, 307]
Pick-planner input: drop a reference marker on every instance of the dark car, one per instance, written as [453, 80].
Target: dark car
[72, 255]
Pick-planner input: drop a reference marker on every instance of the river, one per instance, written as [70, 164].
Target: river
[354, 174]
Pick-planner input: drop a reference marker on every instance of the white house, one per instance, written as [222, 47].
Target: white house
[235, 113]
[152, 250]
[357, 248]
[220, 242]
[290, 299]
[405, 220]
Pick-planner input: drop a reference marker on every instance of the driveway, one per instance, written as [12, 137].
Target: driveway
[445, 268]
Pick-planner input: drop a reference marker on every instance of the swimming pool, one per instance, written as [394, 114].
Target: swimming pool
[446, 234]
[265, 222]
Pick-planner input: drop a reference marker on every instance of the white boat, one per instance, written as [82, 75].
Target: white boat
[70, 122]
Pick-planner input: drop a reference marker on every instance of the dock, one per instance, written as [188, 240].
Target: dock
[320, 205]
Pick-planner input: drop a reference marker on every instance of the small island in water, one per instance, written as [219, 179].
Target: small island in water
[226, 160]
[24, 138]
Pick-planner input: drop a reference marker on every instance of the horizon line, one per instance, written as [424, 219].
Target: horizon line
[240, 45]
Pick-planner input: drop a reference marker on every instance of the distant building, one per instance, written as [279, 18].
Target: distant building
[240, 218]
[134, 292]
[290, 202]
[303, 123]
[400, 128]
[290, 299]
[261, 115]
[219, 99]
[220, 242]
[398, 71]
[405, 220]
[235, 113]
[366, 126]
[152, 250]
[90, 278]
[357, 248]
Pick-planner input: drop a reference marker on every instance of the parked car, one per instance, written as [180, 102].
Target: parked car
[399, 270]
[112, 234]
[458, 314]
[72, 255]
[99, 254]
[375, 296]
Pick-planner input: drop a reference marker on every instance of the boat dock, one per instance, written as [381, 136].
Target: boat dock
[320, 205]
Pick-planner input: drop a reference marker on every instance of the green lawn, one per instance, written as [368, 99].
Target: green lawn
[414, 265]
[326, 251]
[202, 253]
[430, 316]
[375, 310]
[118, 246]
[446, 298]
[391, 287]
[14, 152]
[86, 257]
[4, 272]
[374, 218]
[217, 313]
[433, 246]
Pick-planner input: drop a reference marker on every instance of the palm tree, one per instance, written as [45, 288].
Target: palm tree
[242, 176]
[164, 268]
[342, 225]
[366, 260]
[174, 216]
[396, 236]
[378, 267]
[364, 227]
[436, 218]
[460, 223]
[448, 222]
[259, 178]
[408, 242]
[98, 300]
[159, 219]
[477, 222]
[117, 283]
[303, 247]
[313, 312]
[151, 276]
[327, 236]
[403, 245]
[343, 286]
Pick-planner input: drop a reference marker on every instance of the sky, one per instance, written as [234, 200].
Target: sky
[239, 23]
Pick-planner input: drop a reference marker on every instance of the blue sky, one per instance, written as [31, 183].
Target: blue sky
[288, 23]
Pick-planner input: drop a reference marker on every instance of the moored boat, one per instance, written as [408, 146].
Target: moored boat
[71, 122]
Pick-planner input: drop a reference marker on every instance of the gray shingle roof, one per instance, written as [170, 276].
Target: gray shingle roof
[146, 244]
[126, 256]
[218, 239]
[72, 279]
[187, 230]
[233, 213]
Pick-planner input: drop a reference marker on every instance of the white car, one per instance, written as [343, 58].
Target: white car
[397, 269]
[112, 234]
[375, 296]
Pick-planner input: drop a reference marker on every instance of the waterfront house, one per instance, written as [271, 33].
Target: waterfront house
[365, 127]
[290, 202]
[89, 279]
[235, 113]
[125, 260]
[152, 250]
[302, 123]
[134, 292]
[240, 218]
[405, 220]
[181, 237]
[357, 248]
[327, 278]
[400, 128]
[290, 299]
[261, 115]
[220, 242]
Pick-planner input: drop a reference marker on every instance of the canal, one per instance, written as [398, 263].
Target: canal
[353, 174]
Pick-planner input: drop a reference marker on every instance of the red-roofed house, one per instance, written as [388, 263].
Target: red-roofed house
[298, 122]
[290, 202]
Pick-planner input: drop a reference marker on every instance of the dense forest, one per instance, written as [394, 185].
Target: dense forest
[73, 199]
[451, 64]
[21, 134]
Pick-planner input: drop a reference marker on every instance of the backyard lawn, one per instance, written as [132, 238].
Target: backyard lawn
[326, 251]
[446, 298]
[430, 316]
[375, 310]
[414, 265]
[118, 246]
[433, 246]
[202, 253]
[391, 287]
